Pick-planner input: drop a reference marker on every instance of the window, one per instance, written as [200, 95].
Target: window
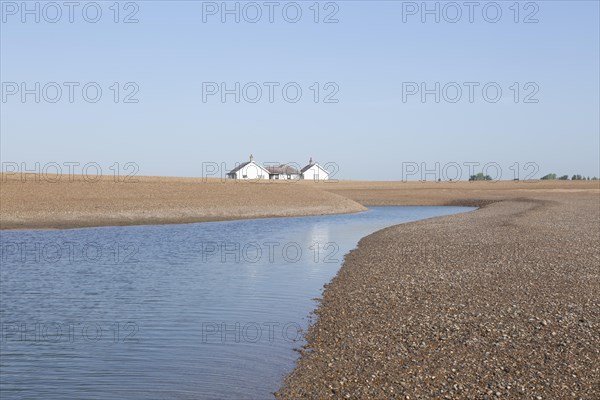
[245, 176]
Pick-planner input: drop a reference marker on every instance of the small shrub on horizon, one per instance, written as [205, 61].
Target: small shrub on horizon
[480, 177]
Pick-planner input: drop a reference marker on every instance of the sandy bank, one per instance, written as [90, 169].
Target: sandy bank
[58, 202]
[503, 302]
[451, 193]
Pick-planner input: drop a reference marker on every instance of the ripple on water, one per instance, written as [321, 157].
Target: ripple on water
[155, 314]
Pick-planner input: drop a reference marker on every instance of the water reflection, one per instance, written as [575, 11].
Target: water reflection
[208, 310]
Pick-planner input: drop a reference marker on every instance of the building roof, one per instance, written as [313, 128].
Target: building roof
[282, 169]
[311, 164]
[236, 169]
[242, 165]
[303, 170]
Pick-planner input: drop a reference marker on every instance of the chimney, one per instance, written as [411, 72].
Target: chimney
[251, 157]
[310, 162]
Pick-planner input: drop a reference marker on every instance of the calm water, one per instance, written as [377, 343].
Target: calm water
[210, 310]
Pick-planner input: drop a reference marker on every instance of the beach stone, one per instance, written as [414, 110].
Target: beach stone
[497, 303]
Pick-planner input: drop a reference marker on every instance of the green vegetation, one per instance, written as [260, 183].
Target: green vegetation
[551, 176]
[480, 177]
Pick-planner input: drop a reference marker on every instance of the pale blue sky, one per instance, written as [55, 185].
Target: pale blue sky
[368, 54]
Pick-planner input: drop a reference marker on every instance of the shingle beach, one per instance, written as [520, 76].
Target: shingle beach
[502, 302]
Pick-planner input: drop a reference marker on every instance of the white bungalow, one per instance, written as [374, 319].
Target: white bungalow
[283, 172]
[313, 171]
[248, 170]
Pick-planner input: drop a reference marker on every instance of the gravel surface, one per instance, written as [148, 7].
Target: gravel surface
[502, 302]
[35, 201]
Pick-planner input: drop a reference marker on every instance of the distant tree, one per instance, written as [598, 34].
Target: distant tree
[549, 176]
[594, 179]
[564, 178]
[576, 177]
[480, 177]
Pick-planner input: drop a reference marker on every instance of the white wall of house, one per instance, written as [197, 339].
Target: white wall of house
[252, 171]
[315, 173]
[284, 176]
